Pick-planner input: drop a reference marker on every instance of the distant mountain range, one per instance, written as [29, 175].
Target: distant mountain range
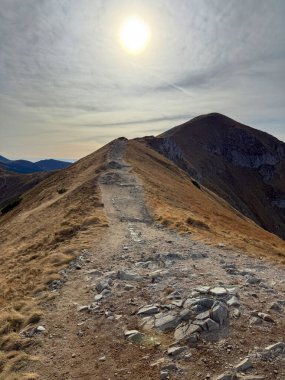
[24, 166]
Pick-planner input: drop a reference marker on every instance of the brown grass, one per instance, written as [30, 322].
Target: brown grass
[178, 204]
[38, 239]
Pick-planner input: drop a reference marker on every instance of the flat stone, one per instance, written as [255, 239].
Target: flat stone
[148, 310]
[218, 291]
[98, 297]
[203, 315]
[176, 350]
[167, 322]
[244, 365]
[178, 303]
[203, 289]
[129, 276]
[130, 332]
[184, 331]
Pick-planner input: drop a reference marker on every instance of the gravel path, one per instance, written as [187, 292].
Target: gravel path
[139, 263]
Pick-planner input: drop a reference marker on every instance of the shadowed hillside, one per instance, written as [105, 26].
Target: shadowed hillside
[12, 185]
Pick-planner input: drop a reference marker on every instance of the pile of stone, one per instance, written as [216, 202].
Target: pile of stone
[205, 312]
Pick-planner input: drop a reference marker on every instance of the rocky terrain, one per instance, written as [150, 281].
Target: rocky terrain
[148, 303]
[241, 164]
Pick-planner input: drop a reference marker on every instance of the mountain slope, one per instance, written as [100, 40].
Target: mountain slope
[244, 166]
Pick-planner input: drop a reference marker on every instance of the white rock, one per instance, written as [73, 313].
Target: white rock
[41, 329]
[218, 291]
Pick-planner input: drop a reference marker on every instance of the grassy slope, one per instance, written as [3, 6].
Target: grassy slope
[177, 203]
[38, 239]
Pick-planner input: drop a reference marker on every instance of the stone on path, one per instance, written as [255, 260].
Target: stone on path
[176, 350]
[244, 365]
[129, 276]
[148, 310]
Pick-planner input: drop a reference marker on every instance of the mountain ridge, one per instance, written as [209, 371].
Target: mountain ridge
[26, 167]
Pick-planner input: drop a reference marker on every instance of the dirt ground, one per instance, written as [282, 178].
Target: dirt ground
[89, 342]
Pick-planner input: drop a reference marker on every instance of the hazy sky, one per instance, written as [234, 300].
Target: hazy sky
[67, 86]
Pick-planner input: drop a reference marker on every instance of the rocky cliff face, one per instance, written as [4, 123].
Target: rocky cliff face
[244, 150]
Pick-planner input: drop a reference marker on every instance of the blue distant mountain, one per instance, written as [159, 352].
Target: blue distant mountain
[24, 166]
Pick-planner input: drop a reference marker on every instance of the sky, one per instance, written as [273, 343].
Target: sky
[68, 87]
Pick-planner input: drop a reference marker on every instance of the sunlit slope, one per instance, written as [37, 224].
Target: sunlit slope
[178, 203]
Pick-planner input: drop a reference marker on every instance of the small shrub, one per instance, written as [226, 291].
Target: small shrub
[61, 190]
[197, 223]
[10, 206]
[197, 184]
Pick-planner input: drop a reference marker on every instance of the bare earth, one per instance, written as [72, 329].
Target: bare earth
[90, 344]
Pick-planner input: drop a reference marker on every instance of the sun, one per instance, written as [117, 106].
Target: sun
[134, 35]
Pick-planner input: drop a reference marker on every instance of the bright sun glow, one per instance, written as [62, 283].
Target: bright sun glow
[134, 35]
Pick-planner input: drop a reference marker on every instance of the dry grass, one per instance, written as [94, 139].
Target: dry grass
[177, 203]
[38, 239]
